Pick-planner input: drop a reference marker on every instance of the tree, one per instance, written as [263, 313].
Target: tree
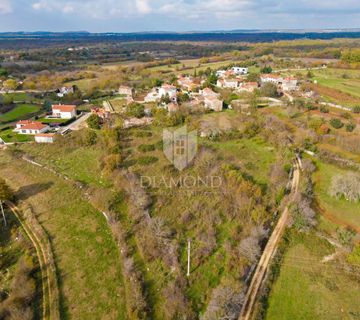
[350, 127]
[93, 122]
[135, 110]
[10, 84]
[266, 69]
[336, 123]
[6, 194]
[269, 90]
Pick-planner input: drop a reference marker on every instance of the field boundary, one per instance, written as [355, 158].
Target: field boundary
[41, 243]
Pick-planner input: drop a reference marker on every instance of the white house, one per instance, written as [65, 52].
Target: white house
[64, 111]
[126, 91]
[289, 84]
[32, 127]
[221, 73]
[272, 78]
[157, 93]
[65, 91]
[239, 70]
[45, 138]
[187, 83]
[212, 100]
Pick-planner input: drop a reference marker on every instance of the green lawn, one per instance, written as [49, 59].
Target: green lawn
[255, 156]
[81, 164]
[85, 253]
[19, 112]
[9, 135]
[50, 120]
[308, 288]
[346, 211]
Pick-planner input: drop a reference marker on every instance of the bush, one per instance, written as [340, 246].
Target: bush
[93, 122]
[350, 127]
[336, 123]
[147, 160]
[324, 109]
[356, 109]
[269, 90]
[143, 134]
[136, 110]
[146, 147]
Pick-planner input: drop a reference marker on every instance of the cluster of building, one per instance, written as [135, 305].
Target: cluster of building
[41, 130]
[283, 83]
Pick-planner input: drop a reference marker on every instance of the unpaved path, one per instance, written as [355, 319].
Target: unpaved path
[269, 251]
[50, 291]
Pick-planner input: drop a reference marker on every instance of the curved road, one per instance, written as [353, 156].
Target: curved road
[271, 246]
[50, 299]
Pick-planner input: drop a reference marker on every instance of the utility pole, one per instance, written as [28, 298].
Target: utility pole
[3, 213]
[188, 264]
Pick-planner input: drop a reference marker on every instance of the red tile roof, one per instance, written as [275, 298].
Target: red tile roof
[45, 135]
[23, 122]
[34, 126]
[64, 108]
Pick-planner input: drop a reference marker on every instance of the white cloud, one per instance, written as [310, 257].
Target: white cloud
[216, 13]
[143, 6]
[5, 7]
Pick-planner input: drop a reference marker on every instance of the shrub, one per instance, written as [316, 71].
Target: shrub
[269, 90]
[146, 147]
[336, 123]
[144, 161]
[93, 122]
[136, 110]
[143, 134]
[323, 109]
[350, 127]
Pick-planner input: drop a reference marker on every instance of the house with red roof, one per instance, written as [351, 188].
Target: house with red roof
[31, 127]
[64, 111]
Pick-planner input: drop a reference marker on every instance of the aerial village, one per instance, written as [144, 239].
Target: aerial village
[193, 93]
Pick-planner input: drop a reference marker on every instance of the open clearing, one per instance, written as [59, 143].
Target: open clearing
[19, 112]
[85, 253]
[346, 211]
[308, 288]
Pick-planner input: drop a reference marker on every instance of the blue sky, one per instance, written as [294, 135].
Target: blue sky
[175, 15]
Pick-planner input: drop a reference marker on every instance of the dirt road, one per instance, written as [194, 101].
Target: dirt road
[50, 291]
[269, 251]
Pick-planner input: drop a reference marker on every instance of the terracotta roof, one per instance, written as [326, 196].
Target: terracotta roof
[45, 135]
[23, 122]
[273, 76]
[64, 108]
[34, 126]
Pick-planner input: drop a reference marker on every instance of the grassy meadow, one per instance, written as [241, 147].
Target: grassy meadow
[20, 111]
[86, 256]
[309, 288]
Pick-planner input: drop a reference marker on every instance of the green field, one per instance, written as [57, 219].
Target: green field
[50, 120]
[253, 155]
[9, 135]
[81, 164]
[308, 288]
[19, 112]
[86, 255]
[341, 79]
[345, 211]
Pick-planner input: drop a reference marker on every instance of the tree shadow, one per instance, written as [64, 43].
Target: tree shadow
[27, 192]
